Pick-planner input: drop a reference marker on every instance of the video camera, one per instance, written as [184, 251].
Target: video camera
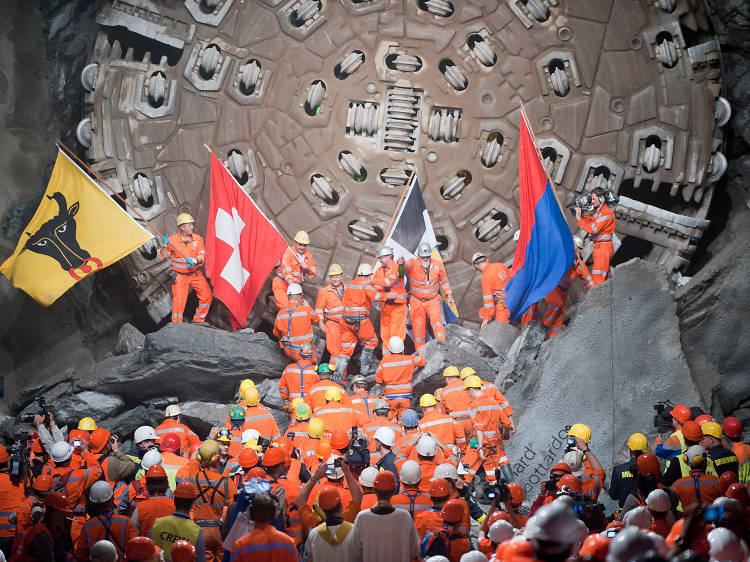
[663, 419]
[358, 454]
[498, 491]
[264, 443]
[42, 411]
[18, 463]
[571, 442]
[590, 511]
[587, 207]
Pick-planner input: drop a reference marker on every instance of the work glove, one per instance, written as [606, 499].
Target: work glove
[192, 261]
[165, 239]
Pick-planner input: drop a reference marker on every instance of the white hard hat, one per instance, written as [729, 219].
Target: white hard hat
[385, 251]
[553, 524]
[473, 556]
[367, 478]
[658, 501]
[151, 458]
[61, 451]
[725, 546]
[143, 433]
[380, 404]
[630, 543]
[478, 256]
[337, 471]
[445, 470]
[438, 558]
[638, 517]
[100, 492]
[500, 531]
[172, 410]
[574, 459]
[578, 241]
[364, 269]
[426, 446]
[103, 551]
[424, 250]
[249, 435]
[395, 344]
[386, 436]
[696, 455]
[410, 473]
[294, 289]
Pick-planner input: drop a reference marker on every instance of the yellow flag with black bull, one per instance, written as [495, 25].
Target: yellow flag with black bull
[76, 231]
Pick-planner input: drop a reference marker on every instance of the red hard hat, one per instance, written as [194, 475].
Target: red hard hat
[58, 501]
[498, 515]
[248, 458]
[648, 463]
[453, 511]
[561, 467]
[257, 472]
[700, 420]
[385, 481]
[78, 434]
[738, 492]
[4, 456]
[339, 439]
[98, 439]
[517, 494]
[595, 547]
[681, 413]
[182, 551]
[329, 497]
[43, 483]
[616, 525]
[439, 488]
[692, 431]
[274, 456]
[726, 479]
[186, 491]
[732, 428]
[569, 481]
[156, 471]
[170, 443]
[141, 547]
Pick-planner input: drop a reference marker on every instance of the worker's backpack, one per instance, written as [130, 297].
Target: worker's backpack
[435, 543]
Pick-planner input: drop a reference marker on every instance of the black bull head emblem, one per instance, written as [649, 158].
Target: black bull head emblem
[56, 238]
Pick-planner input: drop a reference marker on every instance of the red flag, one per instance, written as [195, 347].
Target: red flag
[242, 246]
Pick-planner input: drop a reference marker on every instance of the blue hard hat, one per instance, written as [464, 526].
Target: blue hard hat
[409, 418]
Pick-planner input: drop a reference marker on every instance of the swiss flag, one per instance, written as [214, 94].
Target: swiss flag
[242, 246]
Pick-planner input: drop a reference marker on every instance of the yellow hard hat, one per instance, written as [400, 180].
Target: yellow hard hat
[472, 381]
[302, 237]
[637, 442]
[245, 384]
[712, 428]
[333, 394]
[208, 451]
[436, 394]
[335, 269]
[451, 371]
[184, 218]
[466, 371]
[253, 444]
[316, 428]
[296, 402]
[581, 431]
[302, 412]
[427, 400]
[251, 396]
[87, 424]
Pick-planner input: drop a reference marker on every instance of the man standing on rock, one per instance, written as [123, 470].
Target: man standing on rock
[330, 309]
[389, 278]
[296, 264]
[293, 325]
[601, 227]
[186, 254]
[494, 278]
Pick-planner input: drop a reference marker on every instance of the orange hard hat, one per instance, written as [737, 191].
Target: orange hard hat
[182, 551]
[156, 471]
[616, 525]
[78, 434]
[517, 494]
[186, 491]
[248, 458]
[170, 443]
[692, 431]
[286, 444]
[339, 439]
[700, 420]
[681, 413]
[385, 481]
[57, 500]
[36, 447]
[99, 438]
[43, 483]
[257, 472]
[453, 511]
[732, 427]
[324, 450]
[561, 467]
[514, 550]
[4, 456]
[440, 488]
[498, 515]
[726, 479]
[648, 463]
[738, 492]
[569, 481]
[329, 497]
[274, 456]
[595, 547]
[141, 547]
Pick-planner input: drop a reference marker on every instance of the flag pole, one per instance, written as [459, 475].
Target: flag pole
[398, 206]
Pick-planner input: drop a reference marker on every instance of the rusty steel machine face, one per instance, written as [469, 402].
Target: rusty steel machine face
[321, 109]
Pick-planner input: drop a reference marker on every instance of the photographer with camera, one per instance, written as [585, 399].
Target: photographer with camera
[11, 499]
[601, 226]
[583, 463]
[310, 495]
[548, 488]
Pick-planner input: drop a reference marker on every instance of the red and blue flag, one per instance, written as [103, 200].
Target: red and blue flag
[545, 249]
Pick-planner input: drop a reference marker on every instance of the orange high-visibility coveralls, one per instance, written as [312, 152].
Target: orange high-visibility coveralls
[105, 526]
[395, 373]
[188, 276]
[706, 484]
[456, 403]
[330, 309]
[297, 379]
[411, 499]
[293, 327]
[425, 300]
[358, 298]
[336, 415]
[488, 416]
[215, 492]
[557, 298]
[189, 441]
[601, 226]
[442, 426]
[494, 278]
[288, 271]
[317, 397]
[259, 417]
[376, 423]
[362, 402]
[11, 500]
[393, 312]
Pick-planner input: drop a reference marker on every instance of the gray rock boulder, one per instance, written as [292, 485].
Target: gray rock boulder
[619, 355]
[521, 357]
[129, 340]
[202, 416]
[500, 337]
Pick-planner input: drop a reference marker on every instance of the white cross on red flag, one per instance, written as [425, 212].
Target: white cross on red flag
[242, 246]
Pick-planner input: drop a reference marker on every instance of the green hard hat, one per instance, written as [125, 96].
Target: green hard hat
[324, 368]
[237, 413]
